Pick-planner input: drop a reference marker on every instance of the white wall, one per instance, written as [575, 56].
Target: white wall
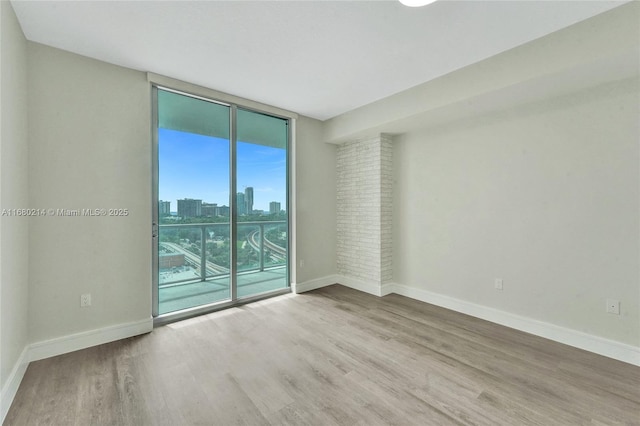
[544, 196]
[14, 231]
[90, 147]
[316, 203]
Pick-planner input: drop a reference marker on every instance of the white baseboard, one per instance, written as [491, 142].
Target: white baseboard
[87, 339]
[357, 284]
[315, 283]
[387, 289]
[62, 345]
[599, 345]
[13, 383]
[354, 283]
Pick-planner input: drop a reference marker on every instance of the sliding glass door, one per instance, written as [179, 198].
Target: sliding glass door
[221, 226]
[262, 225]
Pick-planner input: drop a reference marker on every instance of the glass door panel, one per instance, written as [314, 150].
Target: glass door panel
[193, 231]
[261, 203]
[221, 227]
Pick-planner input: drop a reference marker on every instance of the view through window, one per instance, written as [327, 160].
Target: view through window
[211, 184]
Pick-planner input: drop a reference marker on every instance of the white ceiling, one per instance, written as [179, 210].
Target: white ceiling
[317, 58]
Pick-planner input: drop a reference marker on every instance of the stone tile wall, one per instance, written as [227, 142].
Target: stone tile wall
[364, 217]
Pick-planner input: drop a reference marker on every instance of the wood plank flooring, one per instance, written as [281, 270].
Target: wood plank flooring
[334, 356]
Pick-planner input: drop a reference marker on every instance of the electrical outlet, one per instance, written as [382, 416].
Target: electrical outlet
[85, 300]
[613, 306]
[498, 284]
[302, 263]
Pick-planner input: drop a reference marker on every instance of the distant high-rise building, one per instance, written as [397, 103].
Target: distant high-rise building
[274, 207]
[209, 209]
[164, 208]
[248, 199]
[223, 211]
[241, 204]
[189, 207]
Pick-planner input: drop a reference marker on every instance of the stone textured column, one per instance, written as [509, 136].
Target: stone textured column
[364, 217]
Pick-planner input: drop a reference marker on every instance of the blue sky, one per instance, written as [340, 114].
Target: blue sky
[197, 166]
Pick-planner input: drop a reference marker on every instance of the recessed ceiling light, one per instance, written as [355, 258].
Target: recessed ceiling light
[416, 3]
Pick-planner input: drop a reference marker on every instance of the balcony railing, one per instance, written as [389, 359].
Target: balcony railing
[183, 250]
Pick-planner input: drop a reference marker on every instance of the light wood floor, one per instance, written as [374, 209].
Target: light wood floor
[333, 356]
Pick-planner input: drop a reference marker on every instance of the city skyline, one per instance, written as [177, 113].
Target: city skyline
[191, 207]
[197, 167]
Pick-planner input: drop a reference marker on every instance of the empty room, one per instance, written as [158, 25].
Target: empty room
[312, 212]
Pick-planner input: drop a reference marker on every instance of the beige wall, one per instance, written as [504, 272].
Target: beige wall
[544, 196]
[316, 202]
[90, 147]
[14, 231]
